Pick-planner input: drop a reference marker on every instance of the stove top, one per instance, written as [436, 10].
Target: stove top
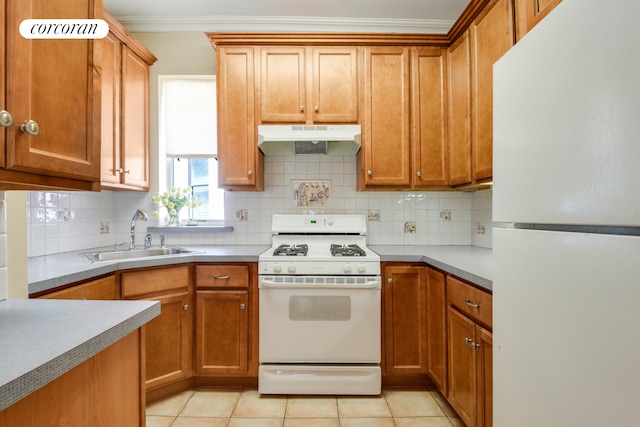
[319, 245]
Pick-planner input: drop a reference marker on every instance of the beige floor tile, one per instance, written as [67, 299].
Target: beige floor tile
[311, 406]
[367, 422]
[254, 405]
[444, 404]
[213, 403]
[255, 422]
[170, 406]
[412, 404]
[200, 422]
[373, 407]
[159, 421]
[423, 422]
[311, 422]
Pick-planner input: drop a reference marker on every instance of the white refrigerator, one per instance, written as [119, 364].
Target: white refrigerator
[566, 288]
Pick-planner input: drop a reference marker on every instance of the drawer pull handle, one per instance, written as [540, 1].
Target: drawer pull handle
[470, 304]
[221, 277]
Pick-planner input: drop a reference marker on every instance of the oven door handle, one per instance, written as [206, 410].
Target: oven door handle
[274, 285]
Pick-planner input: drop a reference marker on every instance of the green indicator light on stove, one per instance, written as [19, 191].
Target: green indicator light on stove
[313, 221]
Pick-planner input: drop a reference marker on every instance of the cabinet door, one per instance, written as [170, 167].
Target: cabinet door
[110, 126]
[134, 120]
[492, 35]
[437, 329]
[462, 366]
[169, 341]
[385, 154]
[99, 289]
[429, 129]
[485, 377]
[536, 10]
[460, 111]
[334, 77]
[405, 320]
[240, 160]
[55, 83]
[283, 91]
[222, 321]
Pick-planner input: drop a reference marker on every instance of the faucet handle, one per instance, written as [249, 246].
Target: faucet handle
[147, 241]
[162, 242]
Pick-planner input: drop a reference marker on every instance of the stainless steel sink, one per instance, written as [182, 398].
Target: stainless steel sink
[134, 253]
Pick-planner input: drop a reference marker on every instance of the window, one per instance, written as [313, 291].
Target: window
[187, 146]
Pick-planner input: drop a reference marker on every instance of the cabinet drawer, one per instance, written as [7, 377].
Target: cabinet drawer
[222, 276]
[135, 283]
[471, 301]
[99, 289]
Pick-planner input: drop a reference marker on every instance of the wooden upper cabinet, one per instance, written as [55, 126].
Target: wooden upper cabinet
[531, 12]
[125, 110]
[459, 59]
[52, 87]
[492, 34]
[334, 90]
[283, 85]
[384, 158]
[308, 85]
[241, 163]
[429, 118]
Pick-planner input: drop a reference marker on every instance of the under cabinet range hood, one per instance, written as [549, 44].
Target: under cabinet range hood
[283, 140]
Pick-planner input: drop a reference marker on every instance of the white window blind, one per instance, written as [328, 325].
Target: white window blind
[188, 110]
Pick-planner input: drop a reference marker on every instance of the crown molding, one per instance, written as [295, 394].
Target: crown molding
[281, 24]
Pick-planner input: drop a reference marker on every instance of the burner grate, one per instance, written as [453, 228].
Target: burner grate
[291, 250]
[347, 250]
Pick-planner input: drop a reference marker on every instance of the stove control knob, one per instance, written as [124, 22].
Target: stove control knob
[362, 268]
[291, 269]
[277, 268]
[347, 268]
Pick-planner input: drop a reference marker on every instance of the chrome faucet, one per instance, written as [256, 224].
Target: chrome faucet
[140, 214]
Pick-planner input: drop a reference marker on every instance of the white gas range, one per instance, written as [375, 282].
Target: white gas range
[320, 314]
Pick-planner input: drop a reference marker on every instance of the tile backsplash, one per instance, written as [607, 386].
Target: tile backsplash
[69, 221]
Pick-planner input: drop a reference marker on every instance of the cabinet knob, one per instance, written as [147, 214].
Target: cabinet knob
[317, 108]
[468, 340]
[418, 173]
[474, 345]
[369, 172]
[249, 173]
[302, 108]
[389, 280]
[30, 127]
[470, 304]
[127, 171]
[242, 306]
[119, 170]
[186, 307]
[6, 119]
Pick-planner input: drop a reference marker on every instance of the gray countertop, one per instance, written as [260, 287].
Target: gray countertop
[43, 339]
[46, 272]
[471, 263]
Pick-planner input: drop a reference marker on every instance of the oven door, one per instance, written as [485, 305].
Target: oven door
[320, 319]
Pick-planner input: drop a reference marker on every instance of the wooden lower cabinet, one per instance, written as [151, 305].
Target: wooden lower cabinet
[99, 289]
[169, 337]
[226, 331]
[470, 354]
[222, 332]
[405, 319]
[105, 390]
[437, 329]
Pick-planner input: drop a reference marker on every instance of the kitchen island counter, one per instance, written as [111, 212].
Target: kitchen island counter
[44, 339]
[471, 263]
